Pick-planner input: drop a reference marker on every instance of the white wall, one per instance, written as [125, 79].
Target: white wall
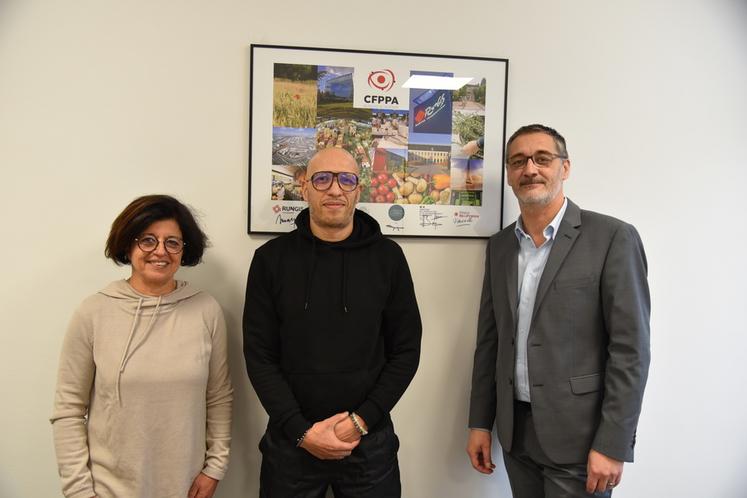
[103, 101]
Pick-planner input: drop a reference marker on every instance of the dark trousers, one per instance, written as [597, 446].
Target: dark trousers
[532, 474]
[371, 471]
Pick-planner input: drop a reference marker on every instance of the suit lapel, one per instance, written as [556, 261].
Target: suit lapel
[504, 264]
[568, 231]
[511, 270]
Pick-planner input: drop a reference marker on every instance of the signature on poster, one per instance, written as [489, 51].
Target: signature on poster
[284, 219]
[430, 217]
[465, 218]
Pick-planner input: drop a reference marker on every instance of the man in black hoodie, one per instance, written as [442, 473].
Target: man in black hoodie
[331, 341]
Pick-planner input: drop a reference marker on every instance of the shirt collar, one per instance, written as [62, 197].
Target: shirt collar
[550, 230]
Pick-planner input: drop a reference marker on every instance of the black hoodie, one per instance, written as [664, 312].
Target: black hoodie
[330, 327]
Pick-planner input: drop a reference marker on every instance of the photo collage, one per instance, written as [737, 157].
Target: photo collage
[424, 153]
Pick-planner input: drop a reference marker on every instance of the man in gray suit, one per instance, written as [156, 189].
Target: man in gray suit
[562, 350]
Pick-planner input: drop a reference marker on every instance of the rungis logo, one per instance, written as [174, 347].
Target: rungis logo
[383, 79]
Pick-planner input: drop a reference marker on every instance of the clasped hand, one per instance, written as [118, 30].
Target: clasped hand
[333, 438]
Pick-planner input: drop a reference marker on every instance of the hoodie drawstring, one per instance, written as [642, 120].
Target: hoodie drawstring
[125, 355]
[344, 286]
[310, 276]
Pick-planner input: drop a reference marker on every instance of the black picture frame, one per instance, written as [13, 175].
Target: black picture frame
[306, 98]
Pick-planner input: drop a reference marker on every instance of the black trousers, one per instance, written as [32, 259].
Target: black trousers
[371, 471]
[531, 472]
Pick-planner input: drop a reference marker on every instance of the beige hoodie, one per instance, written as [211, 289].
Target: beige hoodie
[143, 400]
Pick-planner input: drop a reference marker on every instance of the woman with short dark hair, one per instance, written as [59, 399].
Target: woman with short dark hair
[143, 400]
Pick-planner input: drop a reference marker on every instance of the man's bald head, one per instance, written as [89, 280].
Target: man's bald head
[332, 155]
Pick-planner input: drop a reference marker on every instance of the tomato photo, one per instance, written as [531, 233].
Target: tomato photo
[374, 181]
[390, 197]
[380, 199]
[382, 178]
[392, 183]
[383, 189]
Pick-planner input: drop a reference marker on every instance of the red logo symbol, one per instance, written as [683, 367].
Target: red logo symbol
[424, 114]
[276, 208]
[383, 79]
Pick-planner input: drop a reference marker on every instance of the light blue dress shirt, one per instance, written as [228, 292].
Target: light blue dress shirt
[532, 260]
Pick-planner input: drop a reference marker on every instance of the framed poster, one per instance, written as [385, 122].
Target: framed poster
[410, 121]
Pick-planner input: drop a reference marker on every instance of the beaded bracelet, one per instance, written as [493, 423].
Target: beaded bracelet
[299, 441]
[357, 424]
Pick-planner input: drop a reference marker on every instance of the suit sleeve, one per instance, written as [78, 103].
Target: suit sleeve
[262, 351]
[219, 399]
[626, 306]
[402, 330]
[483, 397]
[72, 396]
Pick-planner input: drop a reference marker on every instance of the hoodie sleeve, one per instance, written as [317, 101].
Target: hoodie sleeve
[262, 350]
[402, 331]
[74, 381]
[219, 401]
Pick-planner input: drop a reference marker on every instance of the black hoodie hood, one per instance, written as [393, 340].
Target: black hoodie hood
[366, 231]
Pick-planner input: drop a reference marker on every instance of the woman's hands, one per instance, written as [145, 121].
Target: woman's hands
[202, 487]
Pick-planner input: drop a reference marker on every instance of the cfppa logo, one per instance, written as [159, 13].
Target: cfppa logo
[382, 80]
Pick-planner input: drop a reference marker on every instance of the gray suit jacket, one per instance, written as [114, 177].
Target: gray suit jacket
[588, 347]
